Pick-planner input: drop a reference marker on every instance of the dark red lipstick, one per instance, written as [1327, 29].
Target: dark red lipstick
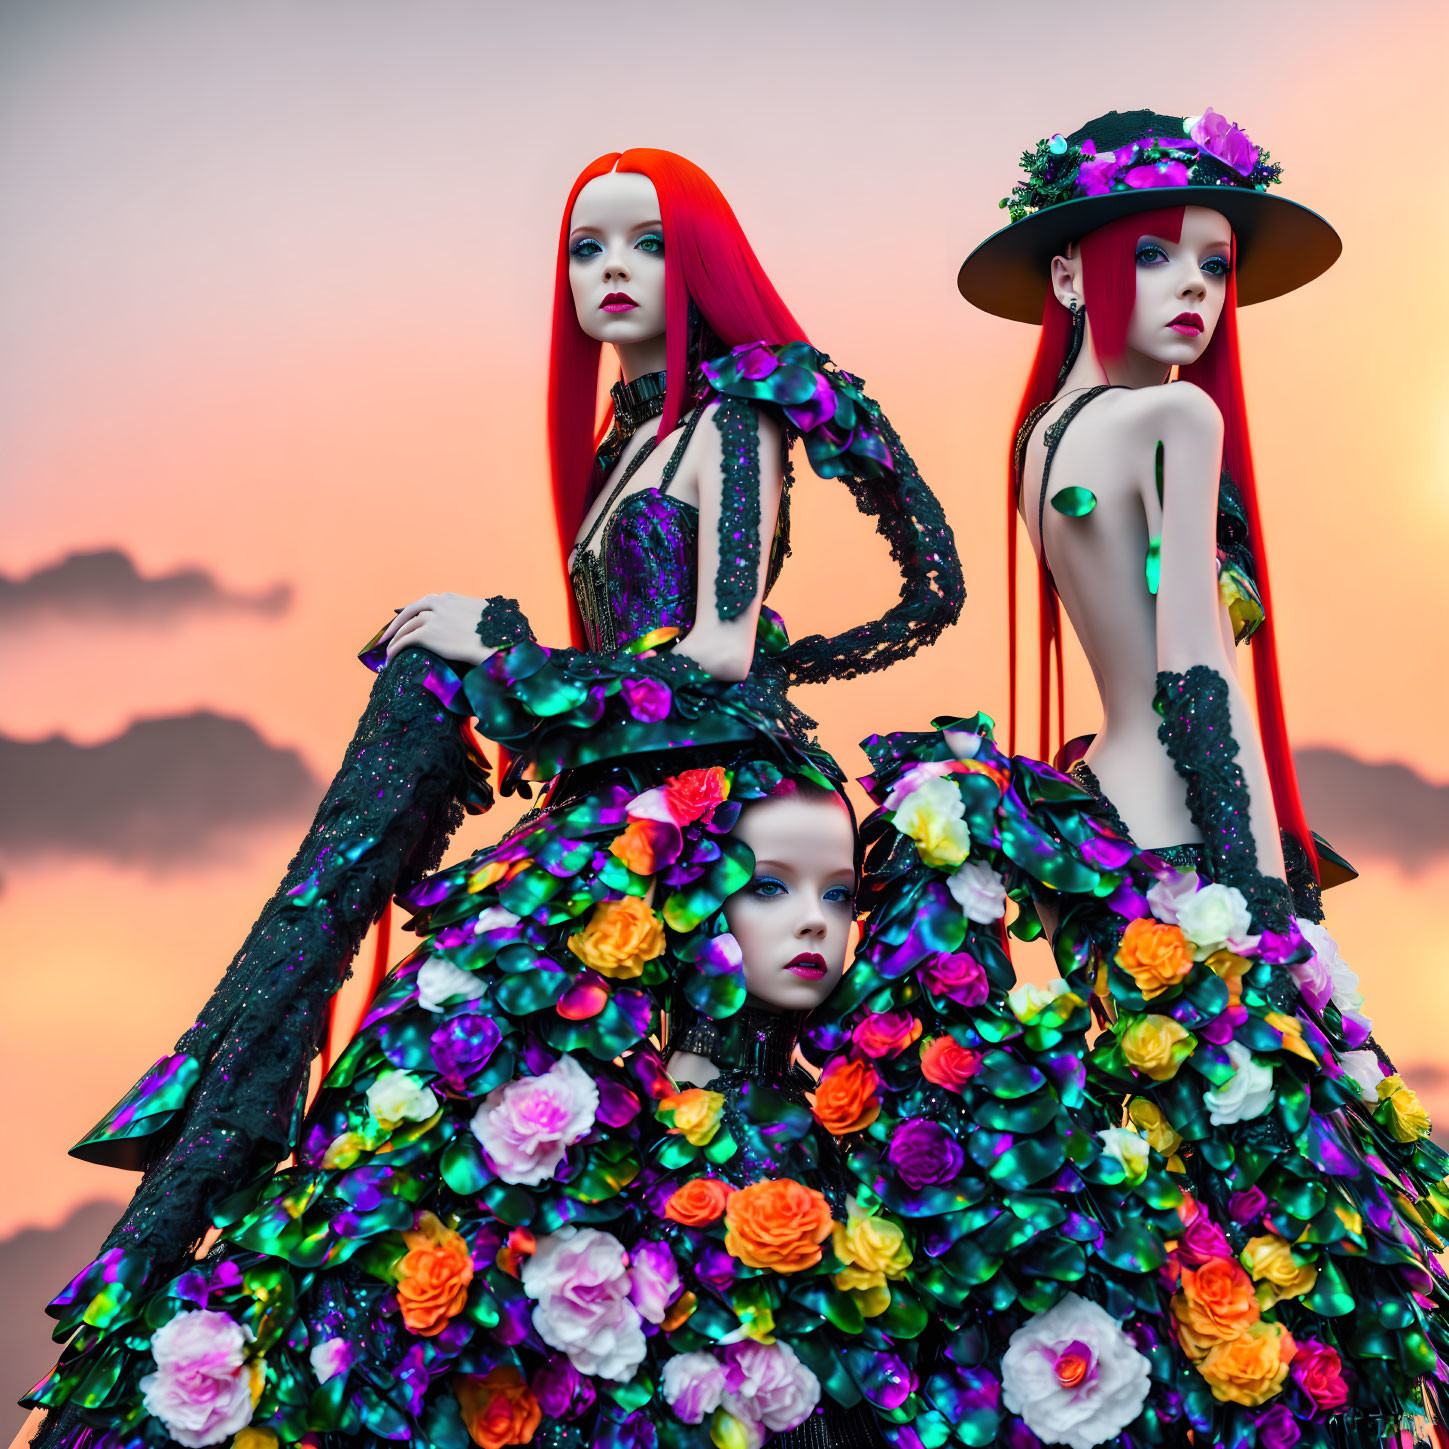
[809, 965]
[618, 302]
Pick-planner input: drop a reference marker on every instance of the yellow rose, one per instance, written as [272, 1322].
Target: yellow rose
[696, 1114]
[1152, 1123]
[1405, 1116]
[1270, 1258]
[1292, 1030]
[1156, 1046]
[1251, 1368]
[932, 816]
[619, 938]
[726, 1432]
[871, 1248]
[872, 1302]
[343, 1151]
[250, 1438]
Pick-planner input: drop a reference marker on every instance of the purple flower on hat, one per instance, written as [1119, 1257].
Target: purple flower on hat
[1219, 137]
[1095, 174]
[1160, 173]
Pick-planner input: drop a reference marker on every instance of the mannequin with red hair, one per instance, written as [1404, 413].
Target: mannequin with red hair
[1234, 1035]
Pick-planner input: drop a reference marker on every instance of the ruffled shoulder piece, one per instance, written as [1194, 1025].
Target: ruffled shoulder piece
[846, 436]
[839, 425]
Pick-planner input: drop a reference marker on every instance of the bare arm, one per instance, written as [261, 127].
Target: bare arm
[1189, 611]
[724, 648]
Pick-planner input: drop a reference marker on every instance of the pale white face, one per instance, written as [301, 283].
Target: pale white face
[616, 259]
[1181, 288]
[793, 919]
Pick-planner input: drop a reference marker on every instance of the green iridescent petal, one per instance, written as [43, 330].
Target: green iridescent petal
[1074, 502]
[463, 1167]
[1153, 566]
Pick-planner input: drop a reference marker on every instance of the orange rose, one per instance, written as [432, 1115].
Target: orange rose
[1252, 1367]
[692, 794]
[432, 1276]
[948, 1064]
[619, 938]
[1216, 1305]
[847, 1097]
[641, 846]
[498, 1410]
[778, 1224]
[1154, 956]
[699, 1202]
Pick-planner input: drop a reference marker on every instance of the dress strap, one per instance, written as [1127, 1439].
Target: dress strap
[1053, 438]
[677, 456]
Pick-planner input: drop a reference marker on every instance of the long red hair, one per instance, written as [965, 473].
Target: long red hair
[1109, 285]
[707, 261]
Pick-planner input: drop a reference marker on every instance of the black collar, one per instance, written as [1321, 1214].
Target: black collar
[636, 402]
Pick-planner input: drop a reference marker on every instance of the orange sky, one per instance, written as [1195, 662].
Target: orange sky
[274, 282]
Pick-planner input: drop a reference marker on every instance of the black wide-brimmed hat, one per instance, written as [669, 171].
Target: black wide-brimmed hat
[1130, 161]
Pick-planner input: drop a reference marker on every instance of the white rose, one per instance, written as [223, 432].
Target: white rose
[1248, 1093]
[397, 1097]
[1128, 1150]
[1073, 1375]
[439, 981]
[1346, 995]
[1215, 917]
[1168, 895]
[979, 891]
[1363, 1069]
[492, 919]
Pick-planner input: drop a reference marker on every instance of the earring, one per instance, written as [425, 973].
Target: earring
[1074, 347]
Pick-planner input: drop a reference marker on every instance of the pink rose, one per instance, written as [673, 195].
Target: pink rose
[648, 699]
[202, 1388]
[653, 1280]
[885, 1033]
[694, 1385]
[579, 1279]
[526, 1125]
[1202, 1239]
[1318, 1371]
[961, 977]
[766, 1384]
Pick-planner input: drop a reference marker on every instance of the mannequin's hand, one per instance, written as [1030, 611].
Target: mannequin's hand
[445, 624]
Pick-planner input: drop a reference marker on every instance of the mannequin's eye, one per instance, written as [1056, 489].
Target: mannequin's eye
[767, 887]
[1217, 266]
[1150, 256]
[585, 247]
[652, 243]
[840, 896]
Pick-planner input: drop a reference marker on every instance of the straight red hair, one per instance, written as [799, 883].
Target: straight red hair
[707, 261]
[1109, 285]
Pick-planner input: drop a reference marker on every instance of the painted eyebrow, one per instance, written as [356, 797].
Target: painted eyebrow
[635, 230]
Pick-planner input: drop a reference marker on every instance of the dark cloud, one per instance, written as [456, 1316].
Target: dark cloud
[164, 793]
[1363, 809]
[106, 586]
[35, 1264]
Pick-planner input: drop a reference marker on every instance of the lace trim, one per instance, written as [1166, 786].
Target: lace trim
[756, 1042]
[1196, 730]
[910, 518]
[737, 578]
[503, 625]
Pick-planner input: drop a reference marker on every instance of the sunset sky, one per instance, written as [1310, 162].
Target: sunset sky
[274, 289]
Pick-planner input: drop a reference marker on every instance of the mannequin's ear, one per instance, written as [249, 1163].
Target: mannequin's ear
[1067, 279]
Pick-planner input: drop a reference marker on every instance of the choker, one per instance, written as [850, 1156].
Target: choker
[753, 1041]
[636, 402]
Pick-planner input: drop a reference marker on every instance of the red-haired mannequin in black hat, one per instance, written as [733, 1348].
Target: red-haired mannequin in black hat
[1132, 243]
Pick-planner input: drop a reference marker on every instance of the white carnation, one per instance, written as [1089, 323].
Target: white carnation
[397, 1097]
[1363, 1069]
[979, 891]
[1171, 893]
[1215, 917]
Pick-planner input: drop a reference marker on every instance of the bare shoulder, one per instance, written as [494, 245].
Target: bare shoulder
[1181, 406]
